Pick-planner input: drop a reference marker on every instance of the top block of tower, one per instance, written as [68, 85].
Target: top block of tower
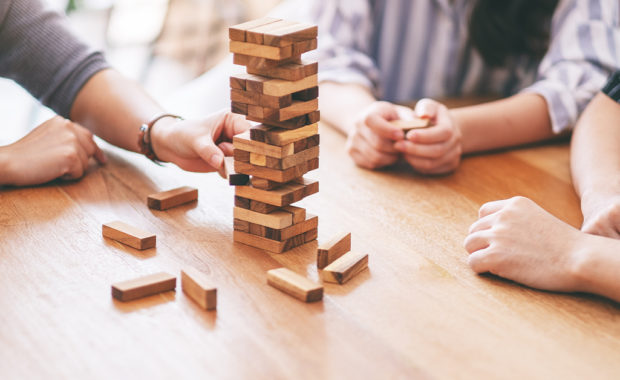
[272, 32]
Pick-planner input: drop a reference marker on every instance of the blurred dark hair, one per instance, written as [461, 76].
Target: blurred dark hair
[501, 29]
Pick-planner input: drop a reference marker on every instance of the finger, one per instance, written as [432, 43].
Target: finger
[424, 150]
[427, 108]
[491, 208]
[209, 152]
[380, 126]
[86, 140]
[76, 166]
[226, 148]
[479, 261]
[476, 241]
[368, 158]
[432, 135]
[233, 124]
[482, 224]
[600, 228]
[376, 142]
[440, 165]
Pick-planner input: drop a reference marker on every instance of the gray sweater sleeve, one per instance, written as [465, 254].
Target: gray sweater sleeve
[38, 51]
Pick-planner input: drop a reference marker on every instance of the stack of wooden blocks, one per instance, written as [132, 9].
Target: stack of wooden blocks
[280, 91]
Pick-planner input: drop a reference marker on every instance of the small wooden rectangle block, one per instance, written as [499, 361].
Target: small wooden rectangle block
[296, 122]
[262, 63]
[295, 285]
[129, 235]
[143, 286]
[276, 219]
[345, 267]
[333, 249]
[238, 32]
[279, 87]
[243, 142]
[270, 245]
[296, 109]
[255, 35]
[286, 35]
[234, 178]
[292, 160]
[311, 223]
[196, 285]
[262, 51]
[172, 198]
[282, 196]
[289, 71]
[257, 99]
[281, 136]
[277, 175]
[407, 125]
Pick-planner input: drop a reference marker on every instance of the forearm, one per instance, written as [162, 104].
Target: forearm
[340, 104]
[598, 265]
[595, 147]
[520, 119]
[113, 108]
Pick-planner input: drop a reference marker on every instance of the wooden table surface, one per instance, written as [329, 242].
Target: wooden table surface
[418, 312]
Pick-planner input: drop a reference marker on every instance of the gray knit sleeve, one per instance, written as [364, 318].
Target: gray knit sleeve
[38, 51]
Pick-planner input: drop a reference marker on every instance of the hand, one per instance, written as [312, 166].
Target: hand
[197, 146]
[57, 148]
[371, 139]
[436, 149]
[518, 240]
[601, 212]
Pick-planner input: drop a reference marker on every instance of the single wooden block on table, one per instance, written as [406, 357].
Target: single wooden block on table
[129, 235]
[289, 71]
[196, 285]
[279, 87]
[296, 109]
[270, 245]
[294, 123]
[282, 196]
[276, 219]
[277, 175]
[172, 198]
[295, 285]
[257, 99]
[333, 249]
[238, 32]
[229, 173]
[143, 286]
[407, 125]
[243, 142]
[280, 136]
[345, 267]
[292, 160]
[262, 51]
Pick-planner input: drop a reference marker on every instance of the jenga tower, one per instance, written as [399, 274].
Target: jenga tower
[280, 90]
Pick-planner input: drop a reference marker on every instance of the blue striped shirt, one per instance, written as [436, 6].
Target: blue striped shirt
[410, 49]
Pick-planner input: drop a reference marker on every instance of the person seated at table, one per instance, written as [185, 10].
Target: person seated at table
[38, 51]
[518, 240]
[546, 58]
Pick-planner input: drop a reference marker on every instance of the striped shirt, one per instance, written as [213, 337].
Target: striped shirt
[410, 49]
[612, 88]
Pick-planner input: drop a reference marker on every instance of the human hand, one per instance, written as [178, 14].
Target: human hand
[601, 212]
[518, 240]
[58, 148]
[371, 138]
[197, 145]
[436, 149]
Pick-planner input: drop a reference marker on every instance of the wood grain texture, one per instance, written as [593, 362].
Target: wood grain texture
[244, 143]
[296, 109]
[257, 99]
[260, 63]
[280, 136]
[172, 198]
[289, 71]
[234, 178]
[294, 123]
[256, 34]
[196, 285]
[277, 175]
[310, 223]
[128, 235]
[270, 245]
[345, 267]
[275, 219]
[407, 125]
[143, 286]
[286, 35]
[282, 196]
[295, 285]
[261, 51]
[292, 160]
[238, 32]
[279, 87]
[330, 250]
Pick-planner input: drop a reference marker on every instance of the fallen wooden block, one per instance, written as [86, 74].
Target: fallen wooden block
[407, 125]
[238, 32]
[196, 285]
[234, 178]
[295, 285]
[143, 286]
[129, 235]
[289, 71]
[277, 175]
[172, 198]
[294, 123]
[333, 249]
[282, 196]
[280, 136]
[345, 267]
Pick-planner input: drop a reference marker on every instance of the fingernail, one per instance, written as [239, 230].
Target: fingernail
[216, 160]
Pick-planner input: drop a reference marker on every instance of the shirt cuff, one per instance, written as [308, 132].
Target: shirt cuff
[563, 110]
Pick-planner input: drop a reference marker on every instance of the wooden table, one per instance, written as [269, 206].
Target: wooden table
[418, 312]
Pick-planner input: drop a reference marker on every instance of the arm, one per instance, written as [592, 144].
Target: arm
[341, 114]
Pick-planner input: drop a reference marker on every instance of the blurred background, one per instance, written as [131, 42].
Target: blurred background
[163, 44]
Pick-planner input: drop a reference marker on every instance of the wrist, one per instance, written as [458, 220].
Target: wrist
[5, 167]
[160, 137]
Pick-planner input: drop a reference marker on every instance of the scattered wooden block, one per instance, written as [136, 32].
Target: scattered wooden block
[129, 235]
[345, 267]
[296, 122]
[279, 87]
[172, 198]
[234, 178]
[333, 249]
[262, 51]
[238, 32]
[257, 99]
[292, 160]
[282, 196]
[196, 285]
[243, 142]
[277, 219]
[143, 286]
[296, 109]
[276, 175]
[407, 125]
[268, 244]
[295, 285]
[290, 71]
[280, 136]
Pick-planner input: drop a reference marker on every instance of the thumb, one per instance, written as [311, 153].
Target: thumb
[427, 108]
[209, 152]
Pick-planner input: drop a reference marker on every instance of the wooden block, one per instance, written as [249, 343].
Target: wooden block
[345, 267]
[282, 196]
[277, 219]
[310, 223]
[129, 235]
[257, 229]
[311, 235]
[262, 63]
[281, 136]
[243, 142]
[268, 244]
[289, 71]
[301, 47]
[241, 155]
[292, 160]
[279, 87]
[333, 249]
[258, 159]
[307, 94]
[237, 83]
[172, 198]
[262, 51]
[196, 285]
[255, 35]
[299, 213]
[243, 202]
[310, 142]
[143, 286]
[286, 35]
[295, 285]
[277, 175]
[296, 122]
[234, 178]
[407, 125]
[241, 225]
[297, 108]
[264, 184]
[258, 99]
[238, 32]
[240, 108]
[263, 208]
